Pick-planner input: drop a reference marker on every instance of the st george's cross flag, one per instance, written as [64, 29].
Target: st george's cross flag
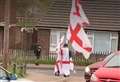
[76, 34]
[61, 42]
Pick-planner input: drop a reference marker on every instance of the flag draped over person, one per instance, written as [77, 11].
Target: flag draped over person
[58, 64]
[60, 43]
[76, 34]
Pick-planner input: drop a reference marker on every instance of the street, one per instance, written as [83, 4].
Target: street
[45, 75]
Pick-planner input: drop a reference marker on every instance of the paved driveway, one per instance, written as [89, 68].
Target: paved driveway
[43, 75]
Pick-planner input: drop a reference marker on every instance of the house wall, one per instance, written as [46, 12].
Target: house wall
[55, 36]
[12, 35]
[2, 10]
[21, 39]
[25, 40]
[44, 40]
[12, 11]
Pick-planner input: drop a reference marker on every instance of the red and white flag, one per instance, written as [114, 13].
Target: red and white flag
[61, 42]
[76, 34]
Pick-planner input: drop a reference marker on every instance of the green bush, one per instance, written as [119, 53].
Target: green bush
[83, 62]
[47, 60]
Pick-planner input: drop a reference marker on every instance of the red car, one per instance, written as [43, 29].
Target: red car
[89, 70]
[110, 72]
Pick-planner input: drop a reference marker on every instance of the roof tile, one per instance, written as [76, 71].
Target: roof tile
[102, 14]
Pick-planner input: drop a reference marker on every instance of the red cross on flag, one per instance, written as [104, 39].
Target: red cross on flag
[76, 34]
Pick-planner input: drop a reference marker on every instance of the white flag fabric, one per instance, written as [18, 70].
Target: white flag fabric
[61, 42]
[76, 34]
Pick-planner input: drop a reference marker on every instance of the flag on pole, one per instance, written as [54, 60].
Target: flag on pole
[76, 34]
[58, 64]
[61, 42]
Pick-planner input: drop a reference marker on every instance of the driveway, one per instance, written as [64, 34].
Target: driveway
[46, 75]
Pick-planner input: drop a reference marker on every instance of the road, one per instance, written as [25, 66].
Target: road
[43, 75]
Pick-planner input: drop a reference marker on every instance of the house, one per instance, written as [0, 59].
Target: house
[103, 31]
[104, 28]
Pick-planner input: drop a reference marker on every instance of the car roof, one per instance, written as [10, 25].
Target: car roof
[117, 53]
[100, 63]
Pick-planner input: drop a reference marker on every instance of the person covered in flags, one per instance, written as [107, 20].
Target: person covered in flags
[58, 64]
[65, 60]
[62, 65]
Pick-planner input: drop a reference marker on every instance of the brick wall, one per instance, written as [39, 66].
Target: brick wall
[15, 38]
[1, 10]
[20, 40]
[44, 40]
[12, 11]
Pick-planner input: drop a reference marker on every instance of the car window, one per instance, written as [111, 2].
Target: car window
[3, 74]
[113, 62]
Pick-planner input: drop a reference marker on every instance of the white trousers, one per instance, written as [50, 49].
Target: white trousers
[63, 68]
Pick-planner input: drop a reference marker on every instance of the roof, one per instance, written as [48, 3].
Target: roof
[57, 15]
[102, 14]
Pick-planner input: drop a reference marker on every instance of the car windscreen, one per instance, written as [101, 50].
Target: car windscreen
[108, 57]
[114, 61]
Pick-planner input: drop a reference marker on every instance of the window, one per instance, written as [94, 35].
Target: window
[91, 37]
[62, 33]
[114, 41]
[101, 41]
[55, 37]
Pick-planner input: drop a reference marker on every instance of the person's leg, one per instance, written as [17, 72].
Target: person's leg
[56, 69]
